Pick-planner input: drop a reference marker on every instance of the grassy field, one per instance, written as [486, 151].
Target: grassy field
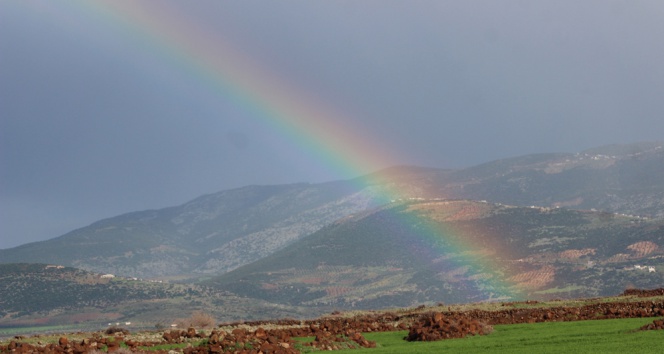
[601, 336]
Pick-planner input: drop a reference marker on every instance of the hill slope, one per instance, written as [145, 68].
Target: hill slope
[38, 294]
[219, 232]
[625, 179]
[457, 251]
[213, 233]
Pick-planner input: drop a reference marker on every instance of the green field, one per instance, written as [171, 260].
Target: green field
[600, 336]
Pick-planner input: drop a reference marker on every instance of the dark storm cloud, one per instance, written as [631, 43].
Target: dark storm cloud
[94, 123]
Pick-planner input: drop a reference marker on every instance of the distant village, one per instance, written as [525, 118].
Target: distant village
[108, 275]
[112, 276]
[650, 269]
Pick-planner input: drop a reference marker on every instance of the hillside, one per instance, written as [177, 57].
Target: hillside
[627, 179]
[211, 234]
[457, 251]
[40, 294]
[220, 232]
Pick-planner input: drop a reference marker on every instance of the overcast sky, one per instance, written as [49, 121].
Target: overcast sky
[98, 120]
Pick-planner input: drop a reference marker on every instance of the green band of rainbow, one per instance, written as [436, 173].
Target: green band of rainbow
[298, 116]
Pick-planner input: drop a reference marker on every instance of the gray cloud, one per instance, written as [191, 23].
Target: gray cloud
[95, 122]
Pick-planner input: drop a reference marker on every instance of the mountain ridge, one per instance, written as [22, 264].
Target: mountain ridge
[222, 231]
[457, 251]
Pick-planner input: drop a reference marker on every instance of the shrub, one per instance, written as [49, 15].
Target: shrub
[201, 320]
[198, 319]
[114, 329]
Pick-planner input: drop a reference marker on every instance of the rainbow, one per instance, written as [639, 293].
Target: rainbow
[470, 252]
[296, 115]
[214, 62]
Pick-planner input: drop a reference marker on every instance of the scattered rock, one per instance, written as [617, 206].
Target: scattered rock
[436, 326]
[338, 332]
[655, 325]
[643, 293]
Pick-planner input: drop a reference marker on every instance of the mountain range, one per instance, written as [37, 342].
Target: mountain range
[219, 232]
[457, 251]
[532, 227]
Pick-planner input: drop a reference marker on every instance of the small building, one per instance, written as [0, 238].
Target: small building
[107, 276]
[651, 269]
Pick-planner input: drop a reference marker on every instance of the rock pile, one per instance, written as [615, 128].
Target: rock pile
[643, 293]
[334, 334]
[242, 341]
[329, 335]
[176, 336]
[65, 345]
[436, 326]
[596, 311]
[656, 324]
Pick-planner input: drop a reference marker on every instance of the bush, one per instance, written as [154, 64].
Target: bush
[200, 319]
[114, 329]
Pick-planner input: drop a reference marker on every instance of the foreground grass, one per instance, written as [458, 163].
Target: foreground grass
[600, 336]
